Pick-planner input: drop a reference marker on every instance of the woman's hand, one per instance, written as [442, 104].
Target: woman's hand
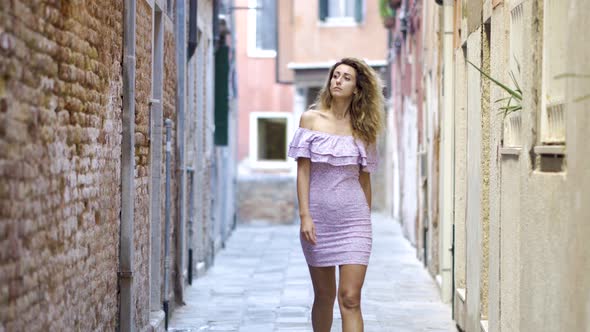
[308, 230]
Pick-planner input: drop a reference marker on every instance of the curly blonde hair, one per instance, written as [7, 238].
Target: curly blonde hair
[366, 107]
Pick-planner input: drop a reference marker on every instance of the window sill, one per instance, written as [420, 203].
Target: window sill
[271, 165]
[348, 22]
[264, 54]
[461, 294]
[555, 150]
[510, 151]
[483, 324]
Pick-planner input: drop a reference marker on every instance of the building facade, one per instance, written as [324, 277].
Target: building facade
[107, 158]
[505, 178]
[280, 76]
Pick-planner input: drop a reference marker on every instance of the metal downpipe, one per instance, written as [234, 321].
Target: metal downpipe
[125, 273]
[191, 195]
[181, 59]
[167, 225]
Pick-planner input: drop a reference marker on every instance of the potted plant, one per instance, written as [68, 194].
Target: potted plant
[388, 15]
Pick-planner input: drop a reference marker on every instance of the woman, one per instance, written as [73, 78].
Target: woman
[335, 148]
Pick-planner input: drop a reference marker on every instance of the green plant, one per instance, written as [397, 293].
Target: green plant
[385, 10]
[515, 94]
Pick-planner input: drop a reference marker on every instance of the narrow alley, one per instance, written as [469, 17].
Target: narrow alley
[151, 181]
[260, 283]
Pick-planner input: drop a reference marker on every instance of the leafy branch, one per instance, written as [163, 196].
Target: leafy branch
[515, 94]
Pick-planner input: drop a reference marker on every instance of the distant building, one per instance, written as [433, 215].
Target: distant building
[284, 51]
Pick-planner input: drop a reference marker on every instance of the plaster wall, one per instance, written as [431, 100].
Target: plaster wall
[257, 88]
[319, 42]
[460, 199]
[544, 205]
[499, 60]
[410, 171]
[473, 224]
[574, 261]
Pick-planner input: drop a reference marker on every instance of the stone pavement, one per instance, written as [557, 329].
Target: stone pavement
[260, 283]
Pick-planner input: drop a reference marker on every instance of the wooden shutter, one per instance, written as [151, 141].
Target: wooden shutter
[323, 9]
[358, 11]
[221, 94]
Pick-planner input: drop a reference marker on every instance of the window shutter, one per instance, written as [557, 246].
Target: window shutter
[221, 95]
[323, 9]
[358, 11]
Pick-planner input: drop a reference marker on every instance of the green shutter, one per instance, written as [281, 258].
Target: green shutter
[323, 9]
[221, 95]
[358, 11]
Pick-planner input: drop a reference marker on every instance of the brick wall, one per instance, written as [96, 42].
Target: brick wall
[60, 162]
[143, 92]
[169, 110]
[60, 125]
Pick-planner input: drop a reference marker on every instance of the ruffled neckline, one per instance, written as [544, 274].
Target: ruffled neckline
[324, 133]
[337, 150]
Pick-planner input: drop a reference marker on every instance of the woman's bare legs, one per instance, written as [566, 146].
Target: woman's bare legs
[351, 281]
[324, 289]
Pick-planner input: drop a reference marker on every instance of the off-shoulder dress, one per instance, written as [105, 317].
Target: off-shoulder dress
[337, 203]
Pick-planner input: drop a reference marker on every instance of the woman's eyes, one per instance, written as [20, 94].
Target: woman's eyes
[345, 77]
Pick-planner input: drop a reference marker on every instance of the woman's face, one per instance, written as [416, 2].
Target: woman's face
[343, 81]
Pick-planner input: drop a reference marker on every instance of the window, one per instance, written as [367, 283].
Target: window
[554, 64]
[341, 12]
[268, 139]
[170, 8]
[262, 28]
[341, 8]
[271, 139]
[513, 122]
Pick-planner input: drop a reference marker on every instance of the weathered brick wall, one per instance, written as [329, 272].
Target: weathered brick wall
[60, 124]
[169, 110]
[207, 213]
[143, 92]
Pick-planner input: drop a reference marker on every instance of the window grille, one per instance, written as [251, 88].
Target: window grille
[554, 64]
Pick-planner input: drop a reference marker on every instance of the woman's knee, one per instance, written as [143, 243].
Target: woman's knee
[349, 299]
[325, 295]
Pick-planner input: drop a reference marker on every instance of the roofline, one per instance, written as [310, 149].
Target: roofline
[328, 64]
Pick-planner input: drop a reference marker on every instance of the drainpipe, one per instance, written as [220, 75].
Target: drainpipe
[181, 51]
[448, 152]
[126, 312]
[167, 226]
[191, 195]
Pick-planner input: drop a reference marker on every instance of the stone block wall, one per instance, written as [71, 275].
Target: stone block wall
[60, 134]
[267, 198]
[143, 93]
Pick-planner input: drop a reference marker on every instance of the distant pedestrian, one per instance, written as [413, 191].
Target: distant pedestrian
[335, 148]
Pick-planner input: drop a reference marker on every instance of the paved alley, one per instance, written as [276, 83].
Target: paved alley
[260, 283]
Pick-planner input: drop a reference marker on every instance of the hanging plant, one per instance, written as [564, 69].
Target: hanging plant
[388, 15]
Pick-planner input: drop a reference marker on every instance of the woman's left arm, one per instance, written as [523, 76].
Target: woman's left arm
[365, 180]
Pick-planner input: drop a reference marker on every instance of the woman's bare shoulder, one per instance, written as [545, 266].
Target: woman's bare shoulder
[309, 117]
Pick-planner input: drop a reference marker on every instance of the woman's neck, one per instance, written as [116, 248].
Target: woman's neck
[339, 108]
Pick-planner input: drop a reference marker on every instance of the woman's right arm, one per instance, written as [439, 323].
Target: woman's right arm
[303, 171]
[307, 226]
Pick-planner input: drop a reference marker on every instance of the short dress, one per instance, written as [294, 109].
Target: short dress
[337, 203]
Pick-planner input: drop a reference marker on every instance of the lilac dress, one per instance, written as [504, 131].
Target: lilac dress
[337, 203]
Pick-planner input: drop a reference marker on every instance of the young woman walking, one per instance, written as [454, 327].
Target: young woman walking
[335, 148]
